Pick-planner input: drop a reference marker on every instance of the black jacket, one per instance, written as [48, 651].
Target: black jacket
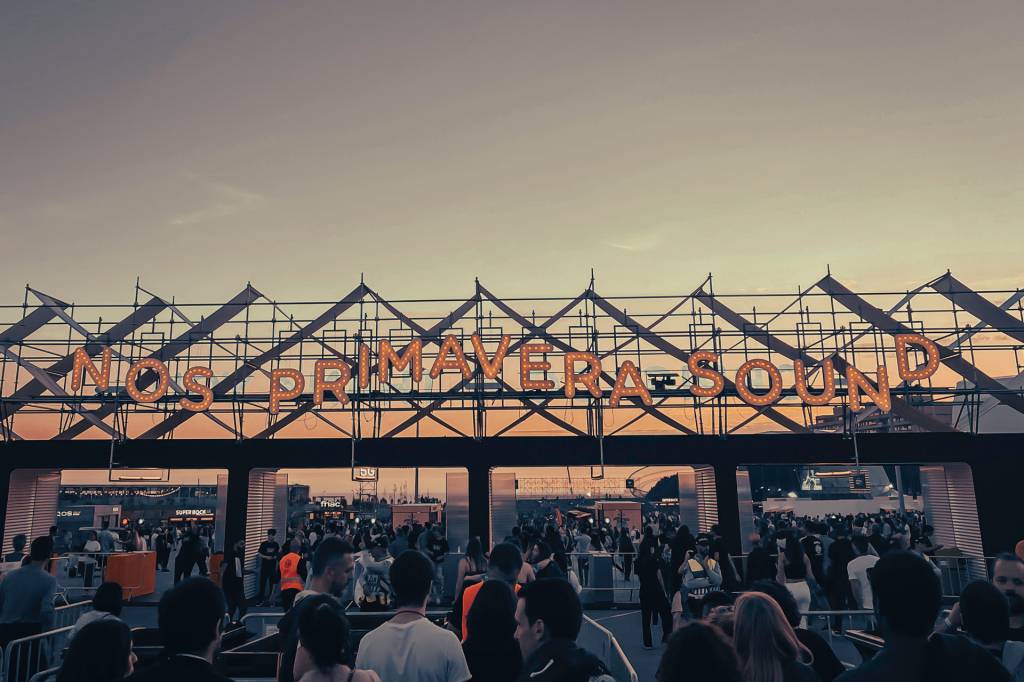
[179, 669]
[550, 571]
[491, 662]
[943, 658]
[560, 660]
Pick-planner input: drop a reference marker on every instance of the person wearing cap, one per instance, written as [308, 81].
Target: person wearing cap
[701, 573]
[919, 546]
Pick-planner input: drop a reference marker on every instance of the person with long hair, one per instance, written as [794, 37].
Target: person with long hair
[324, 644]
[472, 565]
[491, 649]
[653, 595]
[767, 648]
[792, 569]
[826, 663]
[699, 651]
[100, 652]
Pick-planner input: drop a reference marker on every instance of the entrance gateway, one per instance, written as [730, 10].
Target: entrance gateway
[715, 382]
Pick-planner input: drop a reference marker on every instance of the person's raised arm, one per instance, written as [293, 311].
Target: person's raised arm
[780, 568]
[951, 623]
[691, 581]
[714, 573]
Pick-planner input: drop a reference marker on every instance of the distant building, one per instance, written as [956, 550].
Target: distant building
[986, 414]
[152, 504]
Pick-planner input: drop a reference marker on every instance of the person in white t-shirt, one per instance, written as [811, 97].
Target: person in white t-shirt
[857, 570]
[409, 647]
[106, 605]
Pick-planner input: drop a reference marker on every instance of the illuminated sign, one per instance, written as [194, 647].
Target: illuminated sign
[193, 512]
[364, 473]
[332, 502]
[859, 482]
[288, 384]
[138, 491]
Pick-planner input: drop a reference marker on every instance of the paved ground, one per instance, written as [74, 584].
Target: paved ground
[625, 625]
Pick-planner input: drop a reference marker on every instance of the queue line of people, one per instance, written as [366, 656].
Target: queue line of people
[504, 630]
[529, 633]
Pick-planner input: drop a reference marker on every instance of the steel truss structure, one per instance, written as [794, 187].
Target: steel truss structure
[980, 335]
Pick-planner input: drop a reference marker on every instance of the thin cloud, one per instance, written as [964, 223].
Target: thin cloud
[644, 241]
[227, 201]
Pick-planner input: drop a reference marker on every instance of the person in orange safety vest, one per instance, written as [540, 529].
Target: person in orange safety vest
[293, 574]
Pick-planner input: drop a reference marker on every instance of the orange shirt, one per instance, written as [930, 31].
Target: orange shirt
[289, 566]
[468, 595]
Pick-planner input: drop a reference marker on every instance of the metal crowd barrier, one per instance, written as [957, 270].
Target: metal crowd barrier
[27, 656]
[62, 563]
[261, 623]
[19, 652]
[599, 641]
[45, 675]
[865, 616]
[63, 616]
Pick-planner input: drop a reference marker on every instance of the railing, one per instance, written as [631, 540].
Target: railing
[257, 623]
[956, 570]
[93, 563]
[27, 656]
[831, 617]
[599, 641]
[599, 579]
[63, 616]
[45, 675]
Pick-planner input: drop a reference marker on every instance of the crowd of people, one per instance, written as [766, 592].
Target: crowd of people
[517, 610]
[282, 567]
[823, 561]
[518, 632]
[190, 545]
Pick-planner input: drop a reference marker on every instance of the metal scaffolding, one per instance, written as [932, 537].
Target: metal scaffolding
[980, 335]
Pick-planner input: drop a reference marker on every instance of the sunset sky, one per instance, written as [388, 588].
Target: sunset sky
[201, 145]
